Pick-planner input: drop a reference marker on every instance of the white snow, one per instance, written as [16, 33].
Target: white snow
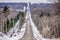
[15, 33]
[36, 33]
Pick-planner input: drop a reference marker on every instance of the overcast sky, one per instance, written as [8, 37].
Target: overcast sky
[32, 1]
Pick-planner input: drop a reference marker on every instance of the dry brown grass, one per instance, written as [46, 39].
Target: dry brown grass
[48, 26]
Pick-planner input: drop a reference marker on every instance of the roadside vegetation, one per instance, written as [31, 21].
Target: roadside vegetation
[48, 23]
[10, 23]
[22, 19]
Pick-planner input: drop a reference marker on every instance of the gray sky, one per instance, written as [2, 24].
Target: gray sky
[32, 1]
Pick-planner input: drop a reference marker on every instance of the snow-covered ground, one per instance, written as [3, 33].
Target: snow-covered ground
[34, 29]
[36, 33]
[15, 33]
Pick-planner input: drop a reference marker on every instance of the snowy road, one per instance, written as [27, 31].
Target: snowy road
[28, 31]
[31, 30]
[36, 34]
